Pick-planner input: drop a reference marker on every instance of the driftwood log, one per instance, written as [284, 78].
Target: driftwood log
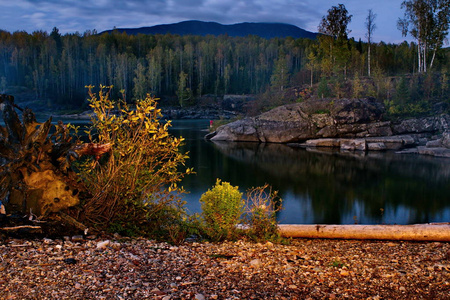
[439, 232]
[35, 163]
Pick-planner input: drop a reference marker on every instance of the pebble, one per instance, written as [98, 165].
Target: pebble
[256, 263]
[199, 297]
[146, 269]
[77, 238]
[103, 244]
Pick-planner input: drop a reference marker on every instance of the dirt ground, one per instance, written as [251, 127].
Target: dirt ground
[96, 268]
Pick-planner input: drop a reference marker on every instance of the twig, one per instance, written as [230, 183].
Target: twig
[20, 227]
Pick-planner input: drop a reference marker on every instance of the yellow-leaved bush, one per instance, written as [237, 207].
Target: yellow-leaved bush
[135, 187]
[222, 207]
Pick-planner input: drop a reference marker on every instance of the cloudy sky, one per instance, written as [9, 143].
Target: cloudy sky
[81, 15]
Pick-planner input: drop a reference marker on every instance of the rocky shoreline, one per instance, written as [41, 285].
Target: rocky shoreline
[347, 124]
[123, 268]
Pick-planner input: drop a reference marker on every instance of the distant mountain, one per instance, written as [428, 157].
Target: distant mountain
[265, 30]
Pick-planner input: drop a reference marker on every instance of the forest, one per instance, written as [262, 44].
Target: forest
[179, 70]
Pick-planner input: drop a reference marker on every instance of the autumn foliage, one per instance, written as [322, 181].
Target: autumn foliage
[138, 181]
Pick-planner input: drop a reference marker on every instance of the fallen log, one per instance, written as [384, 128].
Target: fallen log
[439, 232]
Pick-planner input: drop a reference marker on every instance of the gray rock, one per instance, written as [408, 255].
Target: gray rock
[434, 144]
[199, 297]
[446, 139]
[323, 143]
[353, 144]
[439, 152]
[241, 130]
[311, 119]
[427, 124]
[376, 146]
[393, 142]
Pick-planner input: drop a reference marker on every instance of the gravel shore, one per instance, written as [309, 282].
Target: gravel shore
[145, 269]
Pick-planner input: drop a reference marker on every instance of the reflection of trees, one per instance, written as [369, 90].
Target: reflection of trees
[335, 181]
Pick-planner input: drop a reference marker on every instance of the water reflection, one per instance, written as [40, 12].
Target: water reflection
[324, 186]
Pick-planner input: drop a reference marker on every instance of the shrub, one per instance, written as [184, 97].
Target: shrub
[136, 185]
[261, 207]
[222, 207]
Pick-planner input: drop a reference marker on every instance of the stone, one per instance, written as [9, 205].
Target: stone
[318, 118]
[77, 238]
[241, 130]
[446, 139]
[199, 297]
[323, 143]
[376, 146]
[393, 142]
[434, 144]
[438, 152]
[353, 144]
[256, 263]
[103, 244]
[426, 124]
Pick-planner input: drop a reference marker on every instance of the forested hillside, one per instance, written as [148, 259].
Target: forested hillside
[265, 30]
[58, 67]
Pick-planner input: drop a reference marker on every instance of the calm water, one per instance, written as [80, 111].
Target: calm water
[322, 187]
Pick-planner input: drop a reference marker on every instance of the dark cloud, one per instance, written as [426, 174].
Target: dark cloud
[75, 15]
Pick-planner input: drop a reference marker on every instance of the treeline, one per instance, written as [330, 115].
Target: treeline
[181, 68]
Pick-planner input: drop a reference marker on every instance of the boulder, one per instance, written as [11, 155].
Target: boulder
[376, 146]
[434, 143]
[242, 130]
[446, 139]
[428, 124]
[393, 142]
[439, 152]
[353, 144]
[331, 143]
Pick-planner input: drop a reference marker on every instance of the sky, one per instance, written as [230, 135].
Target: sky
[71, 16]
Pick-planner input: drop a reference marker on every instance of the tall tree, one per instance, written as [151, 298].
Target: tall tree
[335, 23]
[335, 35]
[428, 22]
[370, 26]
[280, 76]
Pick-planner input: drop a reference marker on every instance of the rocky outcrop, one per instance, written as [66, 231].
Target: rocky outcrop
[437, 147]
[311, 119]
[355, 124]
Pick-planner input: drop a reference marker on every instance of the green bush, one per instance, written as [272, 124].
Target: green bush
[222, 207]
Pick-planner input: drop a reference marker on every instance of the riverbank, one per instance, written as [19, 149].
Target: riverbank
[145, 269]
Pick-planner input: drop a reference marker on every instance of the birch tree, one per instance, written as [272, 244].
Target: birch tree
[370, 26]
[427, 21]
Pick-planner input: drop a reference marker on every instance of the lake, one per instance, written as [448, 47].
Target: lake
[326, 187]
[323, 187]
